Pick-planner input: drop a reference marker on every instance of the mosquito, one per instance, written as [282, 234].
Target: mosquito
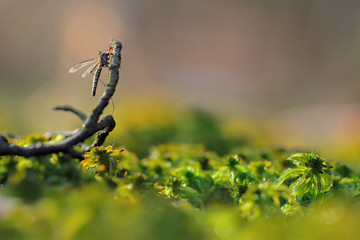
[97, 65]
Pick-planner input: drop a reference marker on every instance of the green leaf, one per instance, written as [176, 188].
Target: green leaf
[326, 182]
[192, 196]
[313, 154]
[290, 173]
[298, 158]
[314, 180]
[300, 187]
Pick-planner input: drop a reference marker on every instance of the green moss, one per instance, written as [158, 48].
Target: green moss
[176, 191]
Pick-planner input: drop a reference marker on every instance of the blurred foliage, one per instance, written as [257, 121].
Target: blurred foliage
[160, 124]
[186, 185]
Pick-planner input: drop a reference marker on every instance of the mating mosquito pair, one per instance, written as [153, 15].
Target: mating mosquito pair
[98, 64]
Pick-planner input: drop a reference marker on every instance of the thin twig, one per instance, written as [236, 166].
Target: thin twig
[69, 108]
[91, 124]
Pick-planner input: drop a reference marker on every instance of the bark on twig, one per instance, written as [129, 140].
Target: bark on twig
[91, 125]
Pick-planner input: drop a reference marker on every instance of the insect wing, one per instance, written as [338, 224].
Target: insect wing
[82, 64]
[90, 69]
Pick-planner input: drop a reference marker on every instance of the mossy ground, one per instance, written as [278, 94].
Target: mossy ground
[183, 179]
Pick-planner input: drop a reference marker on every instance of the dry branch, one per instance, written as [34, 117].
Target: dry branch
[91, 124]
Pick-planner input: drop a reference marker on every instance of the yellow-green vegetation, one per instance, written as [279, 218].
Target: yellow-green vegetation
[203, 188]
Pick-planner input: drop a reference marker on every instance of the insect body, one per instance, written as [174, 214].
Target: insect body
[98, 64]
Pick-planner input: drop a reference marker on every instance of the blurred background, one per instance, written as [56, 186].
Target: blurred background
[285, 73]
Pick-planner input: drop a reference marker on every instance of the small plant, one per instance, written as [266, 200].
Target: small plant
[231, 170]
[175, 189]
[311, 176]
[101, 159]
